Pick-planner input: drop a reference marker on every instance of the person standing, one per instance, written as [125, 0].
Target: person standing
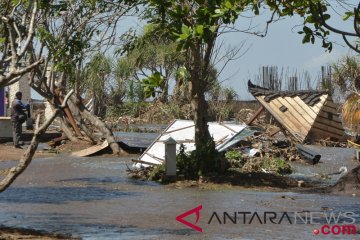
[18, 117]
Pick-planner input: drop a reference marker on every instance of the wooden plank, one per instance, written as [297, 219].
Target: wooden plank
[256, 115]
[155, 157]
[353, 144]
[321, 134]
[317, 107]
[275, 115]
[336, 117]
[296, 108]
[282, 119]
[329, 109]
[320, 104]
[294, 117]
[330, 123]
[90, 150]
[331, 104]
[328, 129]
[305, 107]
[274, 132]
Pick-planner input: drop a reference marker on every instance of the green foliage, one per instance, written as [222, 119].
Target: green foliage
[233, 154]
[235, 158]
[190, 23]
[186, 164]
[133, 109]
[316, 18]
[151, 83]
[277, 165]
[150, 58]
[157, 173]
[211, 162]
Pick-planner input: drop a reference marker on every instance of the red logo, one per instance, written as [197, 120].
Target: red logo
[181, 217]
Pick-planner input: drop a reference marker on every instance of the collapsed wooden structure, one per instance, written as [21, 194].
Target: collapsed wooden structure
[306, 115]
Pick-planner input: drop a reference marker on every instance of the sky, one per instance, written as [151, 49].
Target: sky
[282, 47]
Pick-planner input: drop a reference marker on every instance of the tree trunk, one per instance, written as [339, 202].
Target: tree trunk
[97, 123]
[205, 147]
[165, 91]
[67, 131]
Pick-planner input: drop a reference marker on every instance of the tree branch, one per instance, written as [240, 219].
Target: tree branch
[26, 159]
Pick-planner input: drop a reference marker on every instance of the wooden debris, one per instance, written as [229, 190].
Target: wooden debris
[90, 150]
[306, 115]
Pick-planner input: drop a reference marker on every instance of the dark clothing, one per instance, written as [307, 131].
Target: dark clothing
[18, 111]
[18, 117]
[17, 131]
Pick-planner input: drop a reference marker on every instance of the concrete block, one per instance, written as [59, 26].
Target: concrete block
[5, 127]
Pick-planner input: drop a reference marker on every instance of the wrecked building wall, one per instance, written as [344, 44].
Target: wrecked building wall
[328, 123]
[306, 115]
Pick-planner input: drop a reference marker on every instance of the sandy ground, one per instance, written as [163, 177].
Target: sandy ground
[8, 152]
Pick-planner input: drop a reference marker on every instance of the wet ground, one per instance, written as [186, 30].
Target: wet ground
[93, 198]
[332, 159]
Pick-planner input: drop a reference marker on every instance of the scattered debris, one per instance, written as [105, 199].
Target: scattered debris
[348, 184]
[308, 154]
[342, 171]
[90, 150]
[183, 132]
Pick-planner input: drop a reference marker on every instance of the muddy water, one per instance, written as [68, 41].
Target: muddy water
[93, 198]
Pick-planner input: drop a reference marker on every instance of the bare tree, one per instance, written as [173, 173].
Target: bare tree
[17, 30]
[69, 33]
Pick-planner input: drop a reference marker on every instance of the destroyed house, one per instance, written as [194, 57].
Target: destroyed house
[306, 114]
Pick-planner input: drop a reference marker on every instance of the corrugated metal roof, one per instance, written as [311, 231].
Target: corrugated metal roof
[183, 132]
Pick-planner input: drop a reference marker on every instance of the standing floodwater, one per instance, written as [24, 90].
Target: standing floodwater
[93, 198]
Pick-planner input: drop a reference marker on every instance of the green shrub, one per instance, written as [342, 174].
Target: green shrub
[186, 164]
[157, 173]
[203, 161]
[277, 165]
[235, 158]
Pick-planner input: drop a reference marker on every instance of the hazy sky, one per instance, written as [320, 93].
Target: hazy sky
[281, 47]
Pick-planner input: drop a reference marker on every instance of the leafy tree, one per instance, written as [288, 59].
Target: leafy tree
[317, 15]
[195, 27]
[151, 59]
[96, 75]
